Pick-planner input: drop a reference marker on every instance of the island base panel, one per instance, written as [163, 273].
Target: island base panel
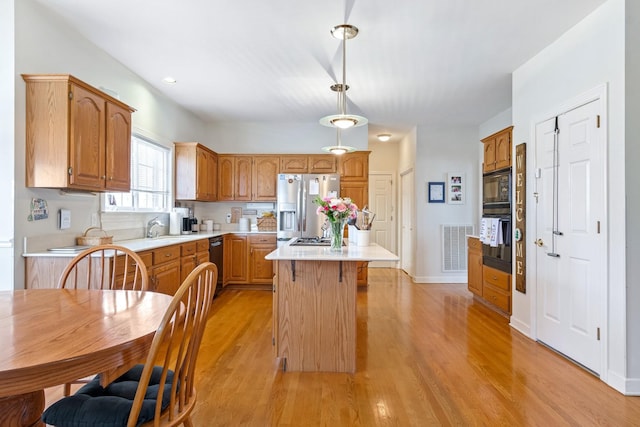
[316, 315]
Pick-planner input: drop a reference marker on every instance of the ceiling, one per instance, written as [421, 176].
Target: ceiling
[429, 62]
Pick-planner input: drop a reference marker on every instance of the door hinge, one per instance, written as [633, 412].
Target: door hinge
[273, 341]
[598, 329]
[70, 95]
[598, 121]
[70, 171]
[598, 227]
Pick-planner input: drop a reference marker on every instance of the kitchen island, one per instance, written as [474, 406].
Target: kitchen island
[314, 305]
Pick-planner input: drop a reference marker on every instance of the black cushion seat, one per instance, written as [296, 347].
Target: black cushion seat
[97, 406]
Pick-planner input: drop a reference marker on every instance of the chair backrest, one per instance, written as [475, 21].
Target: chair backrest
[105, 267]
[176, 343]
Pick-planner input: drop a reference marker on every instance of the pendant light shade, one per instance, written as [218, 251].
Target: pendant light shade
[342, 120]
[338, 149]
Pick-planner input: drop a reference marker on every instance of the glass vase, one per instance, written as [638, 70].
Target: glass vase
[337, 235]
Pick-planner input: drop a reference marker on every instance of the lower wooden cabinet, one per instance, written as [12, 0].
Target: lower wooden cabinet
[474, 265]
[260, 269]
[491, 285]
[235, 259]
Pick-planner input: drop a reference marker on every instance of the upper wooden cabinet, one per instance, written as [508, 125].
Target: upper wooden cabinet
[354, 166]
[497, 150]
[196, 172]
[77, 136]
[247, 178]
[308, 163]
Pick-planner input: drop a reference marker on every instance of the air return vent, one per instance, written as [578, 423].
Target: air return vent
[454, 247]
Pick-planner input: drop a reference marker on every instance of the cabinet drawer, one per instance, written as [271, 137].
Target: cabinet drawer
[202, 245]
[474, 244]
[496, 278]
[497, 298]
[188, 248]
[262, 239]
[146, 257]
[164, 254]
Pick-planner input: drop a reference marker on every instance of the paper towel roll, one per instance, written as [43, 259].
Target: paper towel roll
[175, 223]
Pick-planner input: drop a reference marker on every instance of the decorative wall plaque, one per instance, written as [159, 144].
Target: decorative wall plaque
[521, 222]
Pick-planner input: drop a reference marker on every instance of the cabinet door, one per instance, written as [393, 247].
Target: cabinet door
[226, 175]
[354, 166]
[323, 163]
[187, 264]
[243, 177]
[118, 148]
[212, 176]
[165, 278]
[489, 155]
[294, 164]
[260, 269]
[357, 191]
[235, 258]
[474, 262]
[206, 171]
[265, 177]
[87, 139]
[503, 150]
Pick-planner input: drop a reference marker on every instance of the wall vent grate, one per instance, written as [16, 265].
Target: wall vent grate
[454, 247]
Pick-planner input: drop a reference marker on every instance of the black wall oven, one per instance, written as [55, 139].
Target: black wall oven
[496, 188]
[497, 254]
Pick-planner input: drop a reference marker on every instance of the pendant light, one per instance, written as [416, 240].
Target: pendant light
[343, 120]
[338, 149]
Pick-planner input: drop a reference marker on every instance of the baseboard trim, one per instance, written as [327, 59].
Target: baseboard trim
[441, 279]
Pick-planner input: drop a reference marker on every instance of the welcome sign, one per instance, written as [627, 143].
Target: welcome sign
[521, 203]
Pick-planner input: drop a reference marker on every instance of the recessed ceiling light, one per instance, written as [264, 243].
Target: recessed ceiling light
[169, 80]
[384, 137]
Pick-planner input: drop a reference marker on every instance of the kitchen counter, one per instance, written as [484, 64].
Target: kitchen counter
[373, 252]
[144, 244]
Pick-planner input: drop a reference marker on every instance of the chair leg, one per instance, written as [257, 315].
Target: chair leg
[187, 422]
[67, 389]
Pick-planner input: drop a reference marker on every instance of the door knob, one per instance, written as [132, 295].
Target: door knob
[539, 242]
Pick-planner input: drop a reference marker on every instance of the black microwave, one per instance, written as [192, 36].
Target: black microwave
[496, 187]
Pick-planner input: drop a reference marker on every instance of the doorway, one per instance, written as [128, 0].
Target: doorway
[571, 233]
[407, 196]
[382, 196]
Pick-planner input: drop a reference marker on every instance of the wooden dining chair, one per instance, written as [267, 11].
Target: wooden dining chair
[104, 267]
[150, 394]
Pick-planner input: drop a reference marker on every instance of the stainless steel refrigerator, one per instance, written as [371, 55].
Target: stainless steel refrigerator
[296, 213]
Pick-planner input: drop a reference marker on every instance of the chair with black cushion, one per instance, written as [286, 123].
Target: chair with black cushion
[104, 267]
[150, 394]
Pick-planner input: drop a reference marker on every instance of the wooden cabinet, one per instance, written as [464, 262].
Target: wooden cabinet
[235, 259]
[265, 178]
[165, 272]
[260, 269]
[192, 254]
[247, 178]
[77, 136]
[196, 172]
[496, 288]
[354, 166]
[474, 265]
[308, 163]
[497, 151]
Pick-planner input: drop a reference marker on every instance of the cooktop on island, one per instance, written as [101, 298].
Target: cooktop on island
[312, 241]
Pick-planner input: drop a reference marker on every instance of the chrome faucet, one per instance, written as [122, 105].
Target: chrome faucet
[153, 223]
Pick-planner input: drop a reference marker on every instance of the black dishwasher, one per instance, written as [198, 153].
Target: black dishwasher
[215, 256]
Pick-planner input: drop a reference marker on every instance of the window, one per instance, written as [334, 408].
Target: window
[150, 184]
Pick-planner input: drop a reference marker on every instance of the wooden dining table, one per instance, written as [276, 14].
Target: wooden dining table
[54, 336]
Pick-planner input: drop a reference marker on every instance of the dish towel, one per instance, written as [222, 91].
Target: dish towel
[485, 228]
[493, 234]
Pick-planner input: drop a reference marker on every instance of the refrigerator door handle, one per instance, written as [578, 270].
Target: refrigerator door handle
[304, 206]
[298, 218]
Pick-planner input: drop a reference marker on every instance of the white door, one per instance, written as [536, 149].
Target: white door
[571, 245]
[381, 202]
[407, 203]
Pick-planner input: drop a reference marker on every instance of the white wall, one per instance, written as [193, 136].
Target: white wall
[268, 138]
[7, 71]
[439, 152]
[588, 55]
[44, 44]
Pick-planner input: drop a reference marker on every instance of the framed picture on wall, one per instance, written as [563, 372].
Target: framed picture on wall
[455, 188]
[435, 192]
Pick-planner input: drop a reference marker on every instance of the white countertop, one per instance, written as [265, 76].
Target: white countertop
[373, 252]
[138, 245]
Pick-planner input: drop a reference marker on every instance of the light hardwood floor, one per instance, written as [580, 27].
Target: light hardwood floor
[428, 354]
